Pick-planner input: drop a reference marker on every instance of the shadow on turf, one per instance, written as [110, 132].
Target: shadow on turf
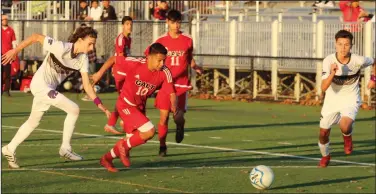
[321, 183]
[59, 138]
[218, 128]
[90, 112]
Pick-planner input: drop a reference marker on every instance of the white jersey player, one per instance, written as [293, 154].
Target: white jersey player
[62, 59]
[340, 82]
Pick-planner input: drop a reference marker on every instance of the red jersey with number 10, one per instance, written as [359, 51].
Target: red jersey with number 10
[178, 59]
[140, 82]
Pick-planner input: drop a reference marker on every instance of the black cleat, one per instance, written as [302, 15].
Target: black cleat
[162, 151]
[179, 136]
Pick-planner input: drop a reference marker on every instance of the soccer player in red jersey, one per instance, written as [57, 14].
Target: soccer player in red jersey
[144, 76]
[179, 58]
[122, 48]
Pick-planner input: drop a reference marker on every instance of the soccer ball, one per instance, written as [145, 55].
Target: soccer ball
[68, 85]
[261, 177]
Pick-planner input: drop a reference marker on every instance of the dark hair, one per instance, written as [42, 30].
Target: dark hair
[157, 48]
[344, 34]
[92, 1]
[82, 32]
[126, 18]
[174, 15]
[163, 1]
[83, 1]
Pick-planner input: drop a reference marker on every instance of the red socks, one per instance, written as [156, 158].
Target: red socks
[162, 134]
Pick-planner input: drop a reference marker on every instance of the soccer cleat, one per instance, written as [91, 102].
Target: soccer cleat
[179, 136]
[70, 155]
[12, 160]
[124, 153]
[324, 162]
[163, 151]
[111, 129]
[86, 98]
[348, 145]
[108, 165]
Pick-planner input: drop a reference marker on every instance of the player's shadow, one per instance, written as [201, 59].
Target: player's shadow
[218, 128]
[57, 138]
[63, 163]
[321, 183]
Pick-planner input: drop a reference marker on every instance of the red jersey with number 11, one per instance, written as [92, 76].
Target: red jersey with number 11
[178, 58]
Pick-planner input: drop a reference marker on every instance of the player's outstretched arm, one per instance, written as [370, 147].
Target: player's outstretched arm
[11, 55]
[326, 82]
[97, 76]
[91, 93]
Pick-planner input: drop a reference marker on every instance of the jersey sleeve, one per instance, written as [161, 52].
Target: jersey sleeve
[367, 61]
[85, 64]
[13, 36]
[53, 46]
[119, 45]
[325, 68]
[168, 84]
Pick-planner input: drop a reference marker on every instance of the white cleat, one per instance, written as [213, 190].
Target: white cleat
[70, 155]
[11, 157]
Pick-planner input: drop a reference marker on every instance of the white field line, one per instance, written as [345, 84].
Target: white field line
[175, 167]
[213, 148]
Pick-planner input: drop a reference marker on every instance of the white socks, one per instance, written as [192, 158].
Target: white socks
[324, 149]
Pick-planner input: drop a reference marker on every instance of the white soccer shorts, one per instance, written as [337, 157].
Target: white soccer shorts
[330, 118]
[43, 100]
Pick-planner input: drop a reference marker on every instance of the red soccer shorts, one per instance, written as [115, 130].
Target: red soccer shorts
[134, 117]
[162, 101]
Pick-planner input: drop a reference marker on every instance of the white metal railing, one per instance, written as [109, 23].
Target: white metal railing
[64, 9]
[214, 38]
[273, 46]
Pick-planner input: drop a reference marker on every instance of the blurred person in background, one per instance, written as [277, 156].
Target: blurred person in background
[160, 12]
[108, 12]
[83, 10]
[95, 11]
[354, 14]
[323, 4]
[8, 42]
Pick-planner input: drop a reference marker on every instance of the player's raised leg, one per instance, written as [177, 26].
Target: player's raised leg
[346, 128]
[134, 118]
